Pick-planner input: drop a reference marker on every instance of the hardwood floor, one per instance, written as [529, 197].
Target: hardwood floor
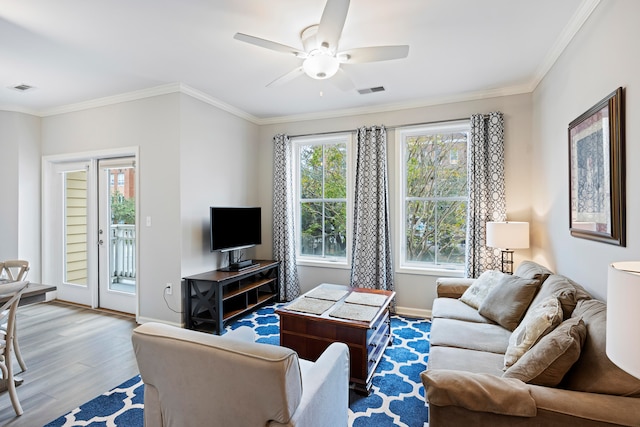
[73, 354]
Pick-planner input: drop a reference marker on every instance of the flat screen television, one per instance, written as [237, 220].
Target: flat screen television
[235, 228]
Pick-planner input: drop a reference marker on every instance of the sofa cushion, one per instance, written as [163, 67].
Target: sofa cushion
[532, 270]
[567, 291]
[539, 321]
[478, 392]
[594, 372]
[478, 291]
[470, 335]
[548, 361]
[463, 359]
[450, 308]
[508, 301]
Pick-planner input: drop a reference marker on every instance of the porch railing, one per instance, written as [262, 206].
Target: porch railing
[123, 253]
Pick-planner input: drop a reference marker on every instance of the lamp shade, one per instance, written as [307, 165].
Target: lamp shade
[508, 235]
[623, 316]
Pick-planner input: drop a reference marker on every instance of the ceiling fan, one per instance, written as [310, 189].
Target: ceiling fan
[321, 56]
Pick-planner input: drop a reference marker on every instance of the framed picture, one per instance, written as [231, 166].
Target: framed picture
[596, 172]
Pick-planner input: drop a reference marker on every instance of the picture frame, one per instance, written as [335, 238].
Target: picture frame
[597, 172]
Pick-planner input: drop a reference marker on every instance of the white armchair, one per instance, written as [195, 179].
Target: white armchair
[195, 379]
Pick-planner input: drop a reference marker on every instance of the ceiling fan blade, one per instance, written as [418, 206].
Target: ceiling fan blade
[297, 72]
[342, 80]
[372, 54]
[331, 24]
[268, 44]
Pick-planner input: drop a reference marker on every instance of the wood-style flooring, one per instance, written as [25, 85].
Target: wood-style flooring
[73, 354]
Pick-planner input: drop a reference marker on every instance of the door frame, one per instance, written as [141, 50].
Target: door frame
[50, 272]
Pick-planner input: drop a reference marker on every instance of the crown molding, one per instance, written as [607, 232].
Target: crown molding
[206, 98]
[19, 110]
[115, 99]
[148, 93]
[463, 97]
[568, 33]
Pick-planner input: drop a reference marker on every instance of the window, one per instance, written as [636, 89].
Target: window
[321, 176]
[433, 167]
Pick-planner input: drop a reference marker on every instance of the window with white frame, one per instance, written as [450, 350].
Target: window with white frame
[322, 168]
[433, 196]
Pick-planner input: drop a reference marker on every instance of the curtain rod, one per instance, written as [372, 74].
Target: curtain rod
[486, 116]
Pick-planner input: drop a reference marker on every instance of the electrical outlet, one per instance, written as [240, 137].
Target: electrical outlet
[168, 289]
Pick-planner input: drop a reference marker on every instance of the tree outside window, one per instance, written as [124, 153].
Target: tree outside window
[322, 200]
[435, 196]
[123, 210]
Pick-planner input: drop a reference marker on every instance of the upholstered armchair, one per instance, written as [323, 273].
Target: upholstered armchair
[195, 379]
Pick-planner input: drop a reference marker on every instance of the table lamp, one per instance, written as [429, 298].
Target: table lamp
[623, 316]
[507, 236]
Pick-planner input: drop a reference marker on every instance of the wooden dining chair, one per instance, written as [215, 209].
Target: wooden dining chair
[15, 270]
[13, 291]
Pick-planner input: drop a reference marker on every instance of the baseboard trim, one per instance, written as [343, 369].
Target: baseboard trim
[414, 312]
[142, 320]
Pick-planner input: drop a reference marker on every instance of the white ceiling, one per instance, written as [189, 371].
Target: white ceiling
[76, 51]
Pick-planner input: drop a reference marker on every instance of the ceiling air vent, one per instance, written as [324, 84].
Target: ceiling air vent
[371, 90]
[22, 87]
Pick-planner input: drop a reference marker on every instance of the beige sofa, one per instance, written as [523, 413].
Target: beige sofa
[197, 379]
[466, 383]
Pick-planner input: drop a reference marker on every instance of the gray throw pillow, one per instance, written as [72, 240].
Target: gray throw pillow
[533, 270]
[547, 362]
[508, 300]
[594, 372]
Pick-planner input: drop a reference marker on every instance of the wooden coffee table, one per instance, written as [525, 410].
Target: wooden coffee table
[310, 334]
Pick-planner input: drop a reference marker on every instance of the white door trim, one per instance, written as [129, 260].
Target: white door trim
[49, 166]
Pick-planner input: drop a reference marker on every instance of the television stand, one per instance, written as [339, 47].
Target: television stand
[216, 297]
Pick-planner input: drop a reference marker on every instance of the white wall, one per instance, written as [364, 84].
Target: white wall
[602, 57]
[218, 164]
[153, 125]
[192, 156]
[20, 178]
[415, 293]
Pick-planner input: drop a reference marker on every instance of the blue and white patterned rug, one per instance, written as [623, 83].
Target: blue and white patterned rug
[396, 399]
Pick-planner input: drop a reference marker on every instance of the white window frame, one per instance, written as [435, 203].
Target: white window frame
[345, 138]
[412, 267]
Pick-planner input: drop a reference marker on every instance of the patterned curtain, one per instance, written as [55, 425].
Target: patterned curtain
[284, 240]
[371, 262]
[486, 190]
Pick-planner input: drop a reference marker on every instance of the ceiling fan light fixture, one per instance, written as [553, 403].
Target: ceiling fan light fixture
[320, 65]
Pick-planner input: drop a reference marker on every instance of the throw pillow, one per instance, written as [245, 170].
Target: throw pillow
[508, 300]
[533, 270]
[480, 288]
[547, 362]
[539, 321]
[594, 372]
